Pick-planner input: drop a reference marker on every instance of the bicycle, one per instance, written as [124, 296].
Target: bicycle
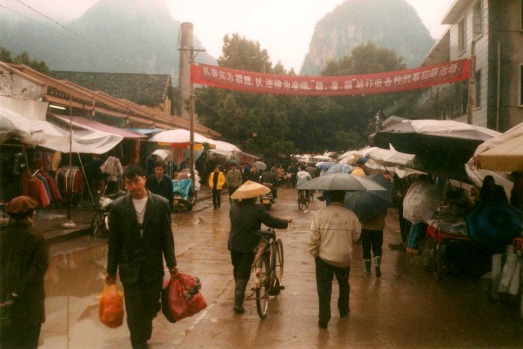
[100, 221]
[267, 270]
[303, 199]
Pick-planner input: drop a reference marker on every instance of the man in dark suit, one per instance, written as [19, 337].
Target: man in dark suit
[140, 235]
[159, 183]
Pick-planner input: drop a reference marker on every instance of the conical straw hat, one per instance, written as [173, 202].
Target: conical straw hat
[250, 189]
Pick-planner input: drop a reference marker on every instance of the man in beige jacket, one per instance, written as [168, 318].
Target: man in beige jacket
[334, 229]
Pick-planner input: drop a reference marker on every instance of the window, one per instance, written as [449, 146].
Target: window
[478, 89]
[478, 19]
[461, 36]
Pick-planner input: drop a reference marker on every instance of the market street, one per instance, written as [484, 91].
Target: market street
[406, 308]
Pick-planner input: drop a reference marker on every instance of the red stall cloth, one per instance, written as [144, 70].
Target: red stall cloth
[35, 188]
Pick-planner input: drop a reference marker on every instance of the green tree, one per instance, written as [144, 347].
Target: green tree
[273, 125]
[5, 55]
[257, 123]
[41, 66]
[23, 58]
[240, 53]
[357, 112]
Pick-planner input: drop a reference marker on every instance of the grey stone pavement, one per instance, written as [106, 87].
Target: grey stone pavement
[405, 308]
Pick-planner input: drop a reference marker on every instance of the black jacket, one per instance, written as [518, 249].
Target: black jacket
[163, 188]
[24, 259]
[246, 219]
[134, 254]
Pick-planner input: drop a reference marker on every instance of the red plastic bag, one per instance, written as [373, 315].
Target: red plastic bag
[110, 310]
[185, 298]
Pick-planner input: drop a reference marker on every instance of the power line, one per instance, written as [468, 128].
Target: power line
[103, 51]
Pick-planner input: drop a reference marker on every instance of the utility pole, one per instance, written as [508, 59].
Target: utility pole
[186, 86]
[472, 86]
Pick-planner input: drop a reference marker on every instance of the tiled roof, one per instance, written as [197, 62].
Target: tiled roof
[144, 89]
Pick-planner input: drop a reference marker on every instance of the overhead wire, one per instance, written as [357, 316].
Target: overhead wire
[103, 51]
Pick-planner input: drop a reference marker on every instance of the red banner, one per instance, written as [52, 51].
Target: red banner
[395, 81]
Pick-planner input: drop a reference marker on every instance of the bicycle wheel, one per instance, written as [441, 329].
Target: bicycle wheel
[277, 259]
[262, 292]
[97, 224]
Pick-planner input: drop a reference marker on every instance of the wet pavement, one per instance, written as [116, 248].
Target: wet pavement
[405, 308]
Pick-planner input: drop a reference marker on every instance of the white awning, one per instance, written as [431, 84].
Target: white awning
[179, 135]
[51, 136]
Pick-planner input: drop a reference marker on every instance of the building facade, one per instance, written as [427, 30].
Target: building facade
[491, 31]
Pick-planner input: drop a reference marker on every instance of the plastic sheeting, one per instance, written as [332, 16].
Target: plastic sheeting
[52, 136]
[420, 202]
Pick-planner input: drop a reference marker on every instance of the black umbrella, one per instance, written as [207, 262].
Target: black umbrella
[442, 147]
[369, 204]
[494, 224]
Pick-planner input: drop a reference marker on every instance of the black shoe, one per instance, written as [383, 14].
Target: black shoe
[344, 313]
[322, 324]
[238, 310]
[378, 272]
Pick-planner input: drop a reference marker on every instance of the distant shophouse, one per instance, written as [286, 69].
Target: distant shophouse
[492, 32]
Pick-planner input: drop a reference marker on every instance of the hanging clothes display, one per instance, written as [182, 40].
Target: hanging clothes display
[114, 170]
[70, 180]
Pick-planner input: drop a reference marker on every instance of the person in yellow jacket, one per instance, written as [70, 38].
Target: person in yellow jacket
[359, 170]
[216, 181]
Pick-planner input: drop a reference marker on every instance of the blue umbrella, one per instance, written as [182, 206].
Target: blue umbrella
[338, 168]
[494, 224]
[325, 165]
[369, 204]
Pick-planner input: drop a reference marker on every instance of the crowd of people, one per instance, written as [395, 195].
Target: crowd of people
[141, 241]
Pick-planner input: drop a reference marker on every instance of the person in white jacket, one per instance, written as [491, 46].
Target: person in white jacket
[334, 229]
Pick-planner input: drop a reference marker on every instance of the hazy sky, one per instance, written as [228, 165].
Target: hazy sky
[282, 27]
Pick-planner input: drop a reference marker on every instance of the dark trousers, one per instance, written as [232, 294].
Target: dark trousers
[25, 336]
[231, 190]
[241, 263]
[216, 197]
[142, 303]
[324, 275]
[371, 239]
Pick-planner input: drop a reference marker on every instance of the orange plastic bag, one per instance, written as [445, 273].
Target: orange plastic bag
[110, 308]
[185, 298]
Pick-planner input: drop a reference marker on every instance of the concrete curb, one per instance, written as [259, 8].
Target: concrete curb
[53, 232]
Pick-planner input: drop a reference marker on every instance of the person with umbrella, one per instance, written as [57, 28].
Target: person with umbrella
[303, 177]
[246, 219]
[371, 209]
[334, 229]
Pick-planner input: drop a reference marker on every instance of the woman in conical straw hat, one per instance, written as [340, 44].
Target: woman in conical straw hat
[246, 219]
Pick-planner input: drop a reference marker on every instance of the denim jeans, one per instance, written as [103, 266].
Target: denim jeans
[417, 232]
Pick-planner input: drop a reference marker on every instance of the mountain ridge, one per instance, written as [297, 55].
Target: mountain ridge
[356, 22]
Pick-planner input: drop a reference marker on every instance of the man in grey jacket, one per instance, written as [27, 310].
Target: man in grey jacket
[334, 229]
[233, 179]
